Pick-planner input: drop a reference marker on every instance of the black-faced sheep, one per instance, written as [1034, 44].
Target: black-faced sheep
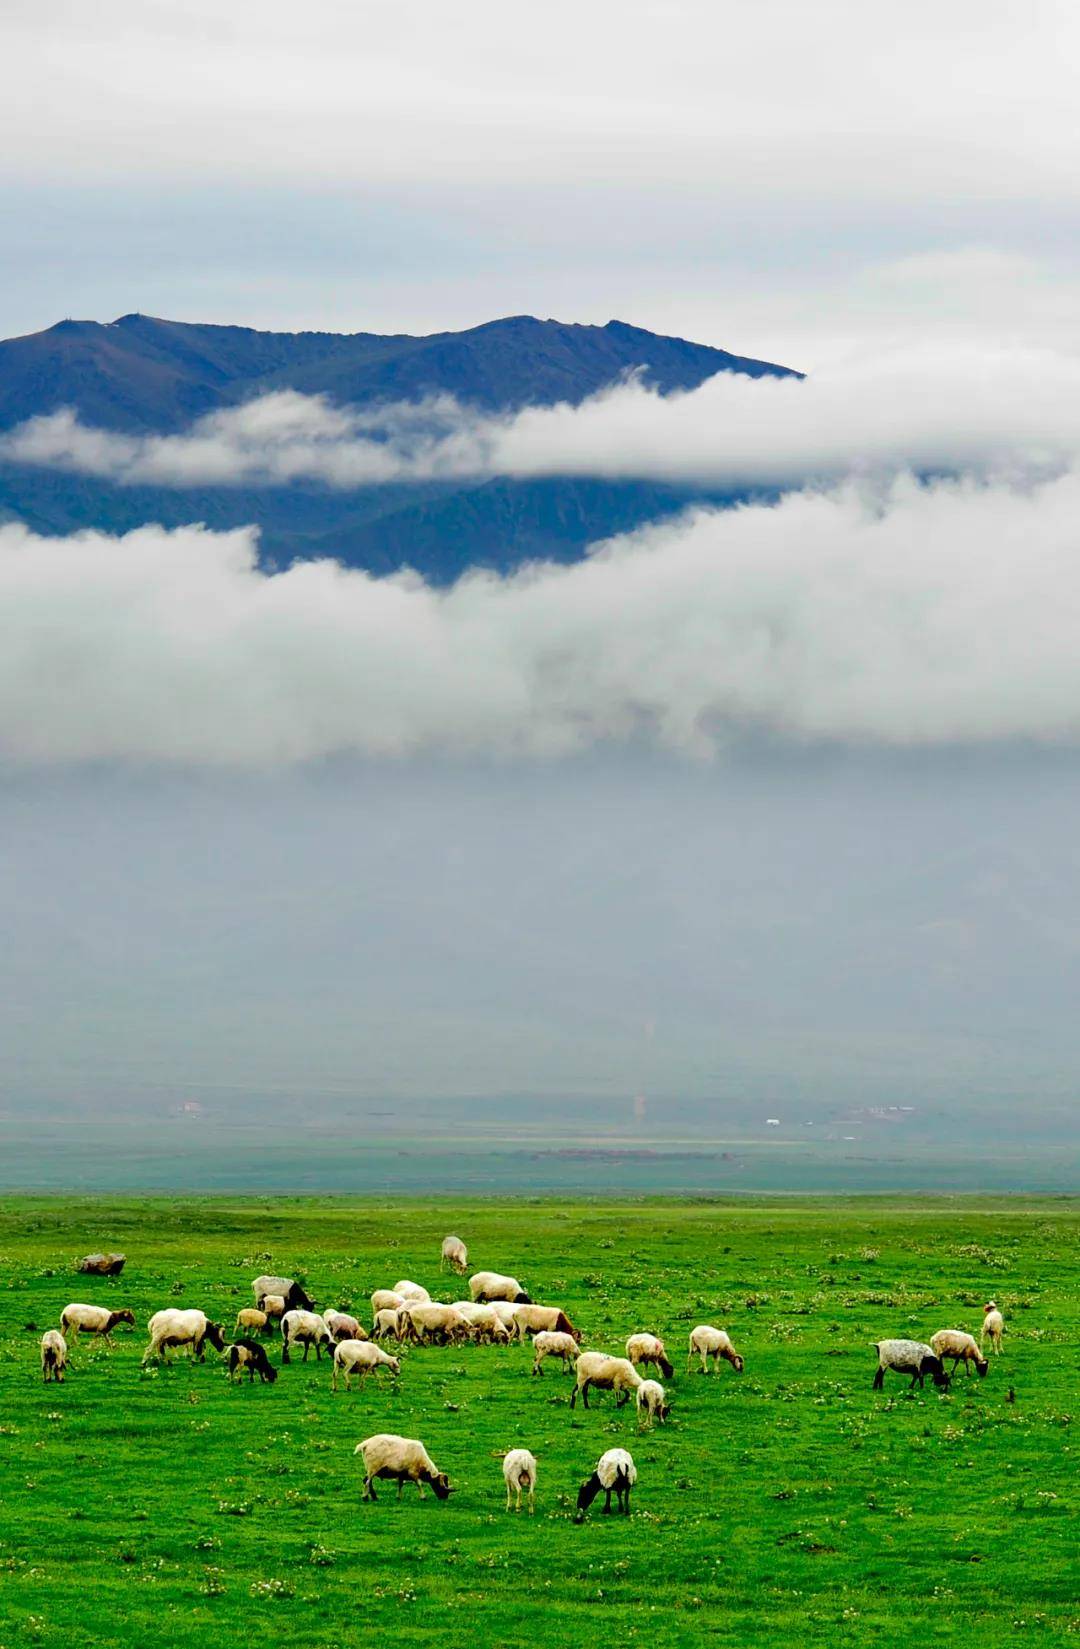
[295, 1296]
[908, 1357]
[303, 1328]
[615, 1473]
[53, 1355]
[643, 1349]
[250, 1355]
[403, 1459]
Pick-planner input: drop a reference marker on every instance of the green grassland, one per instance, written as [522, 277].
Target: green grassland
[791, 1504]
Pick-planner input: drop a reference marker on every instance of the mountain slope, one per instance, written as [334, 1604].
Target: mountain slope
[140, 374]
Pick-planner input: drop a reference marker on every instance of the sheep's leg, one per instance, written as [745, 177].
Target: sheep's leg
[607, 1500]
[879, 1378]
[532, 1501]
[369, 1489]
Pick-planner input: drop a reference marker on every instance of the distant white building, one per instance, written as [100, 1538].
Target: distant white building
[772, 1122]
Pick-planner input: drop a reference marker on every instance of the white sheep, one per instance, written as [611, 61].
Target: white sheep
[294, 1295]
[615, 1472]
[491, 1285]
[76, 1319]
[385, 1299]
[549, 1344]
[387, 1322]
[643, 1349]
[960, 1346]
[403, 1458]
[454, 1255]
[53, 1355]
[273, 1306]
[504, 1310]
[483, 1322]
[909, 1357]
[652, 1403]
[519, 1473]
[709, 1342]
[410, 1291]
[431, 1320]
[172, 1328]
[993, 1326]
[304, 1328]
[361, 1357]
[594, 1368]
[342, 1326]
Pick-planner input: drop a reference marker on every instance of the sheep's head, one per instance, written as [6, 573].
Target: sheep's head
[982, 1365]
[215, 1333]
[666, 1369]
[125, 1316]
[737, 1363]
[441, 1484]
[521, 1298]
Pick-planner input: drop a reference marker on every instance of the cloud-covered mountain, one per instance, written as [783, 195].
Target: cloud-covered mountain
[140, 376]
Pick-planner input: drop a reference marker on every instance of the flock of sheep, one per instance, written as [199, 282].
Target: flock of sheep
[497, 1311]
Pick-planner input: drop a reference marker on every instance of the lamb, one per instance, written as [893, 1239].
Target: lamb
[652, 1403]
[250, 1320]
[483, 1322]
[387, 1322]
[291, 1292]
[993, 1326]
[643, 1349]
[430, 1320]
[411, 1291]
[961, 1347]
[532, 1319]
[342, 1326]
[403, 1458]
[454, 1255]
[385, 1299]
[909, 1357]
[490, 1285]
[303, 1328]
[519, 1473]
[548, 1344]
[53, 1356]
[615, 1374]
[715, 1343]
[274, 1307]
[615, 1472]
[78, 1319]
[171, 1328]
[361, 1357]
[250, 1355]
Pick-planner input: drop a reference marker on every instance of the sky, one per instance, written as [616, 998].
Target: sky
[763, 809]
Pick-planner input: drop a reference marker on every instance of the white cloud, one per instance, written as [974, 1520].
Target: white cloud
[906, 615]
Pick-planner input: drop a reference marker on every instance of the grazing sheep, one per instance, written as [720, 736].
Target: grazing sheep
[253, 1321]
[303, 1328]
[250, 1355]
[387, 1322]
[504, 1310]
[102, 1265]
[519, 1473]
[361, 1357]
[652, 1403]
[533, 1319]
[483, 1322]
[615, 1472]
[908, 1357]
[172, 1328]
[454, 1255]
[78, 1319]
[342, 1326]
[290, 1291]
[430, 1320]
[410, 1291]
[615, 1374]
[961, 1347]
[709, 1342]
[489, 1285]
[993, 1326]
[549, 1344]
[643, 1349]
[385, 1299]
[53, 1356]
[403, 1458]
[274, 1307]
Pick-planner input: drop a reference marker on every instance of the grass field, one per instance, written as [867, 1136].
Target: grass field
[791, 1504]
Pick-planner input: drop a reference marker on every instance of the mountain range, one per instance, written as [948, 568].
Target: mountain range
[141, 375]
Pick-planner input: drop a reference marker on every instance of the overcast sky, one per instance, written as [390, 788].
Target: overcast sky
[772, 802]
[787, 180]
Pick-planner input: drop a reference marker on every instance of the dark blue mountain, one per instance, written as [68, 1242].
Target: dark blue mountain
[142, 375]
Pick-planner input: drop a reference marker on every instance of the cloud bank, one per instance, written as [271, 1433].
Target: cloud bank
[985, 411]
[900, 615]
